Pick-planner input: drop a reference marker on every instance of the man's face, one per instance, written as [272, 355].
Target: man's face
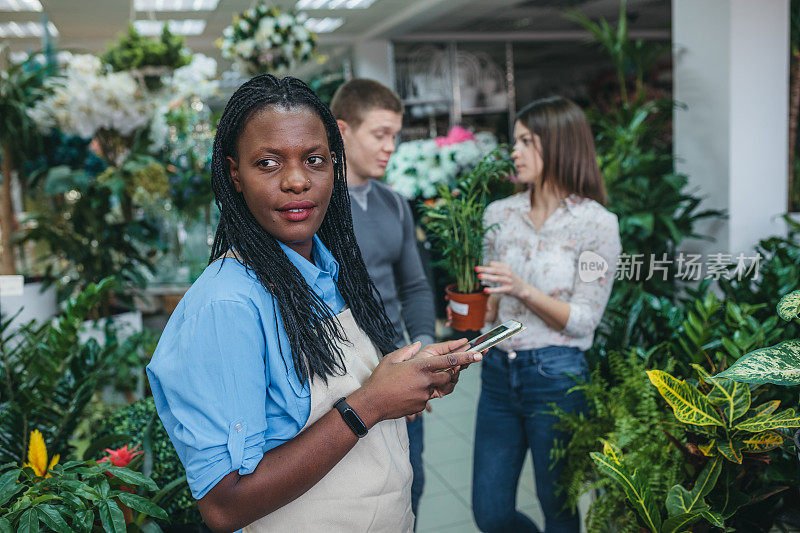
[369, 146]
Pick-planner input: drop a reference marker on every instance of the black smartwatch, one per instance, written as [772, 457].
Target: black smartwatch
[350, 417]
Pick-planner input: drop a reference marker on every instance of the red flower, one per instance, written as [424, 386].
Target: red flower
[121, 456]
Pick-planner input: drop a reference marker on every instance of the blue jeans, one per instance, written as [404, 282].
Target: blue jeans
[516, 392]
[415, 443]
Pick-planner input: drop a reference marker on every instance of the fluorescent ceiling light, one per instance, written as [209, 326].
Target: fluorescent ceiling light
[61, 57]
[25, 29]
[333, 4]
[178, 27]
[175, 5]
[324, 25]
[20, 5]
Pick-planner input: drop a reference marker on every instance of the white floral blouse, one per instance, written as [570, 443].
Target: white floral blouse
[548, 259]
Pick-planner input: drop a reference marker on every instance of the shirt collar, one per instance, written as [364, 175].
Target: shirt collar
[324, 262]
[570, 202]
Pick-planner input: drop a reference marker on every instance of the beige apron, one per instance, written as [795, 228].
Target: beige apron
[370, 488]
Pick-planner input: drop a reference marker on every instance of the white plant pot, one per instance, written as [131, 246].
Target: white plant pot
[127, 324]
[35, 304]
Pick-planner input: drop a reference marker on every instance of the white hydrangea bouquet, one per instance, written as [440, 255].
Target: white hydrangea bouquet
[265, 39]
[417, 167]
[89, 99]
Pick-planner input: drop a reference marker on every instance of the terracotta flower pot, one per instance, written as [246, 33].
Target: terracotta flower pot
[469, 310]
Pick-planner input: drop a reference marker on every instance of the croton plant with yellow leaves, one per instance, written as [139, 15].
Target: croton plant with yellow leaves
[727, 429]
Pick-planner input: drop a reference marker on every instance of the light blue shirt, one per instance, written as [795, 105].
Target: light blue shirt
[222, 375]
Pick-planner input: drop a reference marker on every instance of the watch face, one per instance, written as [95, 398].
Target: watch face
[355, 423]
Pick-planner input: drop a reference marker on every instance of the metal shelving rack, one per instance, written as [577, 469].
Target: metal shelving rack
[451, 104]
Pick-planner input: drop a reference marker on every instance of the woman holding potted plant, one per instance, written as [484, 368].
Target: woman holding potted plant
[550, 257]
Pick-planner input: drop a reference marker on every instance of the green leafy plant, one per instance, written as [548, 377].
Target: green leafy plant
[139, 425]
[715, 331]
[73, 497]
[47, 377]
[778, 364]
[85, 241]
[455, 221]
[723, 419]
[133, 51]
[777, 274]
[624, 409]
[627, 55]
[655, 208]
[21, 86]
[723, 430]
[684, 507]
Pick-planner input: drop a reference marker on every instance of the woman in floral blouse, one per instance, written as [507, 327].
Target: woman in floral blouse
[550, 256]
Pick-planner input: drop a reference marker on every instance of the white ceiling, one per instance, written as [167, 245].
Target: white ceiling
[89, 25]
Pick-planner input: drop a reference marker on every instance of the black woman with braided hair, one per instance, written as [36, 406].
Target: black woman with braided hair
[275, 377]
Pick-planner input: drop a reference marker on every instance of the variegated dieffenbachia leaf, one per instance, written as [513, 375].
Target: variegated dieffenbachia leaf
[789, 306]
[636, 491]
[688, 404]
[779, 364]
[681, 501]
[732, 397]
[785, 419]
[762, 442]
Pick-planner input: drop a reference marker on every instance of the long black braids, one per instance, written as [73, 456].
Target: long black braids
[309, 323]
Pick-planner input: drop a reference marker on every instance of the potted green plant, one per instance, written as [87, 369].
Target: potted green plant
[454, 223]
[148, 59]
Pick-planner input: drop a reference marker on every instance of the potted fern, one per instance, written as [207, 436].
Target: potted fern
[454, 223]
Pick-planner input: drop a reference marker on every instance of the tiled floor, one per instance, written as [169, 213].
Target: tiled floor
[445, 504]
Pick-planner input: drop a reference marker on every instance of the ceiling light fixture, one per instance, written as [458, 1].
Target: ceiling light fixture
[178, 27]
[22, 30]
[175, 5]
[20, 5]
[324, 25]
[333, 4]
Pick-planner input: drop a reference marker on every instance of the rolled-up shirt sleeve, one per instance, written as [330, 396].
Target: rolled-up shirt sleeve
[591, 293]
[209, 385]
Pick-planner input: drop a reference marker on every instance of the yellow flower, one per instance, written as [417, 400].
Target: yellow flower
[37, 456]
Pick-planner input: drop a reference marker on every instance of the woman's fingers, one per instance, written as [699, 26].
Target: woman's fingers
[442, 362]
[503, 289]
[404, 353]
[493, 268]
[442, 348]
[496, 278]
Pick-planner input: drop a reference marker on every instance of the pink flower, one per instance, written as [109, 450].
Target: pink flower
[121, 456]
[456, 135]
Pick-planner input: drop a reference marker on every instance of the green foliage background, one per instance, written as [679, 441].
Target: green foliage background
[140, 426]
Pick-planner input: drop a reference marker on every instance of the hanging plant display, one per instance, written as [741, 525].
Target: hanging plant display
[265, 39]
